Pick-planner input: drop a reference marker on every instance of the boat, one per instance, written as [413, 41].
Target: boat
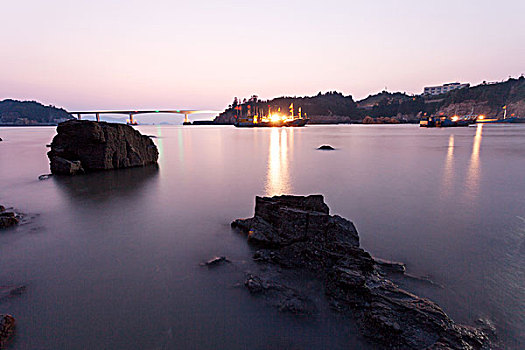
[272, 120]
[445, 122]
[512, 119]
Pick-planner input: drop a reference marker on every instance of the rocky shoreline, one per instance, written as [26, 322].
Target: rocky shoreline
[298, 233]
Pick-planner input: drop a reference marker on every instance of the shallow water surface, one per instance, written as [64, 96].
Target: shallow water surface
[111, 260]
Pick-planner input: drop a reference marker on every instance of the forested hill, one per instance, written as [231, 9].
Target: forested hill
[14, 112]
[487, 99]
[334, 107]
[329, 107]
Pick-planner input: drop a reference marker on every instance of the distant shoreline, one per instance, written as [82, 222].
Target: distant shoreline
[10, 125]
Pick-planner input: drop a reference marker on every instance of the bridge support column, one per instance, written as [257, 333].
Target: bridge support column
[186, 119]
[98, 117]
[131, 122]
[79, 116]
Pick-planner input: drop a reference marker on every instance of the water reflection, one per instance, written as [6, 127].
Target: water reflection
[106, 185]
[180, 140]
[448, 174]
[278, 176]
[160, 146]
[473, 173]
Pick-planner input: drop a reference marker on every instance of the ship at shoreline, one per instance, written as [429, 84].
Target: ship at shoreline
[272, 120]
[466, 120]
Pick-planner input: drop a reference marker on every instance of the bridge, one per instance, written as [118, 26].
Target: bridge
[186, 112]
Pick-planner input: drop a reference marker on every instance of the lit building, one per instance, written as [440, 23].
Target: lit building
[436, 90]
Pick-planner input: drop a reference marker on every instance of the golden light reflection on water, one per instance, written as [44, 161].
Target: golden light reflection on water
[473, 173]
[278, 176]
[448, 175]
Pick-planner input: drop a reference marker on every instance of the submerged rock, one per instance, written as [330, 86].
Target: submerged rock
[7, 329]
[326, 148]
[298, 232]
[216, 261]
[11, 291]
[85, 146]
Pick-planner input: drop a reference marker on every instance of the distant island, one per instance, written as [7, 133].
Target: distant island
[387, 107]
[20, 113]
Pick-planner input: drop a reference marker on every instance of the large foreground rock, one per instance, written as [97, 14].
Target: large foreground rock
[299, 233]
[84, 146]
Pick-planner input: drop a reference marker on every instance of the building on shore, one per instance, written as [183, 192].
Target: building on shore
[436, 90]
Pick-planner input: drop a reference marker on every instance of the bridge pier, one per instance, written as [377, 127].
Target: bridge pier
[79, 116]
[98, 117]
[131, 119]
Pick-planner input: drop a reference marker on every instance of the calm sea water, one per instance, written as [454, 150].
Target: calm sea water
[111, 260]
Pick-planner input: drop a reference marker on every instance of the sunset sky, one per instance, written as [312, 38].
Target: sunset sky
[199, 54]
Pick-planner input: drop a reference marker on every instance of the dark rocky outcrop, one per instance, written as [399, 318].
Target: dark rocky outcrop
[298, 233]
[326, 148]
[7, 330]
[216, 261]
[86, 146]
[7, 218]
[286, 299]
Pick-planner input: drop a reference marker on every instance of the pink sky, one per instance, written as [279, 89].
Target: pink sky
[162, 54]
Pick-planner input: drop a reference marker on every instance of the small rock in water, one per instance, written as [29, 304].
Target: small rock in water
[326, 148]
[216, 261]
[45, 176]
[1, 139]
[7, 329]
[7, 218]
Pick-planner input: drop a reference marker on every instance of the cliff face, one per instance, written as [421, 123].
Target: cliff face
[84, 146]
[487, 100]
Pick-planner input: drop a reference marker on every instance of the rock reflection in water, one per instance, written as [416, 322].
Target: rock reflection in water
[107, 185]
